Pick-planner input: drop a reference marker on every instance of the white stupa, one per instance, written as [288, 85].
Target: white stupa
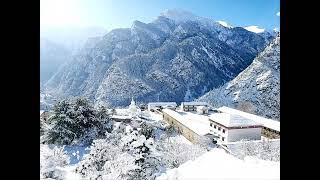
[133, 108]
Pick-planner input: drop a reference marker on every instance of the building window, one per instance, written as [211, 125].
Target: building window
[219, 128]
[215, 126]
[222, 138]
[211, 124]
[223, 130]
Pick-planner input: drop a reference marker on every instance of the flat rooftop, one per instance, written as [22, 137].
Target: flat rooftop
[197, 123]
[269, 123]
[232, 120]
[195, 103]
[162, 103]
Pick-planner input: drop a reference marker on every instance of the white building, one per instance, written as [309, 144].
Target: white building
[192, 126]
[202, 110]
[270, 129]
[231, 128]
[161, 105]
[192, 106]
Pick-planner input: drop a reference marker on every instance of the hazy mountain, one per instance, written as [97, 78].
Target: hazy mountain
[178, 56]
[52, 55]
[72, 38]
[256, 89]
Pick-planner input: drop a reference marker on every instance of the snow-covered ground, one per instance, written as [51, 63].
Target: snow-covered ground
[217, 164]
[122, 112]
[76, 153]
[155, 116]
[180, 138]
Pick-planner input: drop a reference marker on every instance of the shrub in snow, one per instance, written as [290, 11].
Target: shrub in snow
[177, 153]
[205, 142]
[147, 130]
[101, 151]
[266, 150]
[51, 161]
[170, 130]
[120, 168]
[77, 122]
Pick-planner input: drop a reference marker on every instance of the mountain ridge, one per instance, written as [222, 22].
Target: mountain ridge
[256, 89]
[161, 60]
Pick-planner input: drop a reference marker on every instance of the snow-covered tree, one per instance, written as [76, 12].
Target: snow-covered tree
[51, 162]
[122, 154]
[101, 151]
[147, 130]
[146, 156]
[77, 122]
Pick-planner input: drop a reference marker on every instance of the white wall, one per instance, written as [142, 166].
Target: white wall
[246, 133]
[220, 133]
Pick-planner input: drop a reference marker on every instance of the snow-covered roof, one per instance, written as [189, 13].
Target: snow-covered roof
[162, 104]
[232, 120]
[269, 123]
[197, 123]
[202, 107]
[194, 103]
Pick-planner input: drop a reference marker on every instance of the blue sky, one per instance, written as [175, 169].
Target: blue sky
[112, 14]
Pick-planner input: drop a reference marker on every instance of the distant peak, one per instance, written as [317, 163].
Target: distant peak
[178, 15]
[254, 29]
[225, 24]
[276, 30]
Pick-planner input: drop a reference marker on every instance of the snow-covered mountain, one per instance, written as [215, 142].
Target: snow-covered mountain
[256, 89]
[178, 56]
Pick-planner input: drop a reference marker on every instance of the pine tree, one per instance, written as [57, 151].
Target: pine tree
[77, 122]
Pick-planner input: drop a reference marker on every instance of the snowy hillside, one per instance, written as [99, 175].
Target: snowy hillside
[217, 164]
[176, 57]
[256, 89]
[47, 101]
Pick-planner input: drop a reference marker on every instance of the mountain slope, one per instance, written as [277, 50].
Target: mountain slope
[163, 60]
[256, 89]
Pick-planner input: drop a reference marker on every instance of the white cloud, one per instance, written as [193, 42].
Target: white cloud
[225, 24]
[254, 29]
[278, 13]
